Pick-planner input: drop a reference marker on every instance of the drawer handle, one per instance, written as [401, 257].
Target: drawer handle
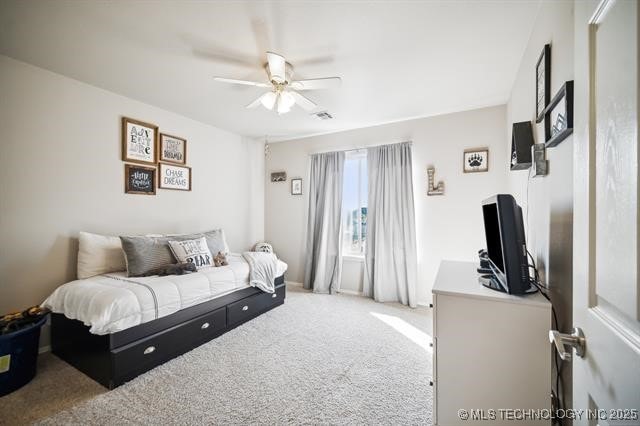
[245, 308]
[149, 350]
[205, 326]
[273, 296]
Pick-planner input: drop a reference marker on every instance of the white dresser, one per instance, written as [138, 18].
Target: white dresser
[490, 352]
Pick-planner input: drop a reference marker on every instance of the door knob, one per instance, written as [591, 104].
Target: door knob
[574, 340]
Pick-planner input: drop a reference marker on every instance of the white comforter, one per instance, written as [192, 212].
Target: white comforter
[112, 302]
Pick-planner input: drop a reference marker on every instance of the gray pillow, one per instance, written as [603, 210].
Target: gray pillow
[145, 254]
[215, 240]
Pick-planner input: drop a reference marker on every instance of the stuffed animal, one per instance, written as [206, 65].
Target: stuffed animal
[17, 320]
[263, 247]
[174, 269]
[220, 260]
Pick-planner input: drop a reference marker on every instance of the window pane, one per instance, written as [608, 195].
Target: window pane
[354, 202]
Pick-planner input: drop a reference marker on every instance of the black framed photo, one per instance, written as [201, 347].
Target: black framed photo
[543, 82]
[558, 116]
[296, 186]
[139, 180]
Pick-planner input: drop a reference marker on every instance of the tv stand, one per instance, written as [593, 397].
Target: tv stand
[490, 348]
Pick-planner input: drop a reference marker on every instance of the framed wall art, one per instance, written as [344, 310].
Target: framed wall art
[558, 122]
[172, 149]
[279, 177]
[139, 141]
[296, 186]
[543, 82]
[171, 176]
[476, 160]
[139, 180]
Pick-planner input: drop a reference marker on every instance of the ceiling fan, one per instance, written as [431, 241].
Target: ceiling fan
[283, 93]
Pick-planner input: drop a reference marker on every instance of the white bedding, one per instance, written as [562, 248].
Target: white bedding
[112, 302]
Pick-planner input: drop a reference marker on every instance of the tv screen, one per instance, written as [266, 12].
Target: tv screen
[506, 246]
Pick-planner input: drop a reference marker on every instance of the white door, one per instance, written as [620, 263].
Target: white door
[606, 296]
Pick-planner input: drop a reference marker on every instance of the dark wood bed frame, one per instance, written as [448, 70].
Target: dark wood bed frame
[116, 358]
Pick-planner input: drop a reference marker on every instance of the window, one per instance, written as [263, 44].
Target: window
[354, 203]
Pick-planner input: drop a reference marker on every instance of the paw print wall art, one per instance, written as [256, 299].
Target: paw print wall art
[476, 160]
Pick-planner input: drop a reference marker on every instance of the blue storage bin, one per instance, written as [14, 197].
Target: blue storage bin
[19, 357]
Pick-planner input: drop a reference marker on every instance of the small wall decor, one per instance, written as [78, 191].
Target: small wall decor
[279, 177]
[139, 180]
[558, 123]
[475, 160]
[172, 149]
[296, 186]
[174, 177]
[433, 189]
[543, 82]
[139, 141]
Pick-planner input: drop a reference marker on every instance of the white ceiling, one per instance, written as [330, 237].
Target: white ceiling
[397, 59]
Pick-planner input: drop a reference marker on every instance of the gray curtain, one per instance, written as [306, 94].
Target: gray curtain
[390, 254]
[323, 255]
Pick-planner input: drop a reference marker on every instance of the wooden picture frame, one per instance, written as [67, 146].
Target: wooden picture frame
[172, 149]
[296, 186]
[172, 176]
[279, 177]
[475, 160]
[558, 122]
[139, 141]
[135, 181]
[543, 82]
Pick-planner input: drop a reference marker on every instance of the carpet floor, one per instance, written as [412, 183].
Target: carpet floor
[317, 359]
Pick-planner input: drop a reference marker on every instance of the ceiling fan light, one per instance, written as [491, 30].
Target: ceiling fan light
[286, 100]
[283, 106]
[268, 100]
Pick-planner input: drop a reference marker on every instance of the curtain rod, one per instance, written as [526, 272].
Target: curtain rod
[359, 148]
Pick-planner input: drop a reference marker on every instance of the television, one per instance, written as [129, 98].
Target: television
[506, 245]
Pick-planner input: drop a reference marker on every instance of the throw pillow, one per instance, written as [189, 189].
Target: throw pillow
[145, 254]
[99, 254]
[192, 251]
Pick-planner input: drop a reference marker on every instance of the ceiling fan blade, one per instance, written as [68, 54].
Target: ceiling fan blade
[306, 103]
[255, 103]
[316, 83]
[243, 82]
[277, 67]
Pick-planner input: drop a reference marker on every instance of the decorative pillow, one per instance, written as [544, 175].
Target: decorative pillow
[145, 254]
[216, 240]
[99, 254]
[192, 251]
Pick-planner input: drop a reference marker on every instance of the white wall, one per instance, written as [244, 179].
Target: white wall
[61, 172]
[448, 227]
[550, 224]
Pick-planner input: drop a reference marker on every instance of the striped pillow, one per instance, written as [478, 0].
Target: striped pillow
[145, 254]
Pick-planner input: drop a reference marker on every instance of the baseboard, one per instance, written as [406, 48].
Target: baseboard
[44, 349]
[293, 283]
[423, 303]
[350, 292]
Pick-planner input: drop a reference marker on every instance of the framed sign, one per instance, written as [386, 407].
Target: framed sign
[296, 186]
[139, 140]
[558, 123]
[476, 160]
[174, 177]
[139, 180]
[543, 82]
[172, 149]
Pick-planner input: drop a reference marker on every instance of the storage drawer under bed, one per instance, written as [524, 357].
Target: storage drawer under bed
[253, 305]
[167, 344]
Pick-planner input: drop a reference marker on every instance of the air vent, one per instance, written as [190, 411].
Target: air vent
[323, 115]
